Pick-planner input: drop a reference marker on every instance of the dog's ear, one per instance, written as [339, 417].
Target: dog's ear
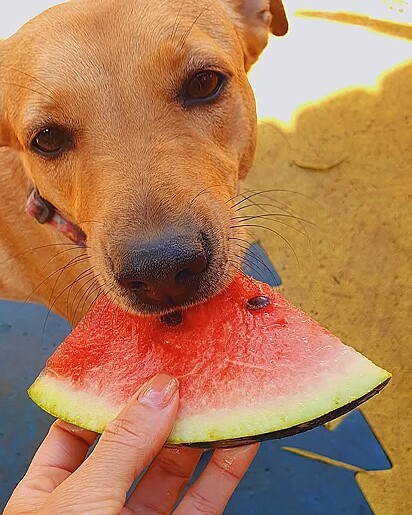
[256, 19]
[279, 24]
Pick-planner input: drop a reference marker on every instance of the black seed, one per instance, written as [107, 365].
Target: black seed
[259, 302]
[172, 319]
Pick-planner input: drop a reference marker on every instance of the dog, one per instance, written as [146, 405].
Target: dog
[125, 128]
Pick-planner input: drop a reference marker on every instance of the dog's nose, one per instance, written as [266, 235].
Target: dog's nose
[166, 271]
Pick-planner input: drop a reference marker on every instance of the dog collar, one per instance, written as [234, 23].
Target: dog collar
[45, 213]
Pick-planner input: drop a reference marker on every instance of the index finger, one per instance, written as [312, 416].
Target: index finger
[65, 447]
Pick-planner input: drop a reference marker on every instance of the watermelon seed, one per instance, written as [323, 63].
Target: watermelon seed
[258, 302]
[172, 319]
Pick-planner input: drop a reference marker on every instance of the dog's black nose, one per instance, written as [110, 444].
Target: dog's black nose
[163, 272]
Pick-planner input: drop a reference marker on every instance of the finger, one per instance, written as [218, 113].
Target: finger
[164, 481]
[212, 491]
[64, 448]
[60, 454]
[127, 446]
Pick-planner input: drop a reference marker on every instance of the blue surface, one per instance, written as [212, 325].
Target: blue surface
[24, 348]
[279, 482]
[258, 265]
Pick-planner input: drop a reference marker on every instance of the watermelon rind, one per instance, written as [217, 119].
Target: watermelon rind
[290, 431]
[225, 428]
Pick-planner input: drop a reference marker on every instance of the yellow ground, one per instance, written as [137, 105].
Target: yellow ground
[342, 97]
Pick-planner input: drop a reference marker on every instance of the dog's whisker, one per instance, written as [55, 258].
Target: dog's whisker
[175, 27]
[248, 243]
[202, 192]
[274, 232]
[73, 262]
[76, 261]
[263, 208]
[51, 306]
[252, 264]
[68, 287]
[96, 289]
[85, 295]
[27, 88]
[257, 259]
[289, 211]
[265, 193]
[15, 256]
[254, 257]
[189, 30]
[272, 218]
[235, 265]
[34, 79]
[276, 204]
[268, 192]
[280, 215]
[245, 198]
[84, 275]
[231, 199]
[83, 286]
[57, 255]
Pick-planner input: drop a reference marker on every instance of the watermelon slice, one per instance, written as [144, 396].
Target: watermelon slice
[250, 365]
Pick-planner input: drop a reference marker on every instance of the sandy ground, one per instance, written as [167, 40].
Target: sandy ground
[337, 133]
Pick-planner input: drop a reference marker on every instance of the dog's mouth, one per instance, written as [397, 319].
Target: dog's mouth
[44, 212]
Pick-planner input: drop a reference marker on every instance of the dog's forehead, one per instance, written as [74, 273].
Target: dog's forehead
[99, 43]
[81, 31]
[99, 60]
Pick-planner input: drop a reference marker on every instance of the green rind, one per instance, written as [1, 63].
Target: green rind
[219, 429]
[283, 433]
[328, 395]
[59, 399]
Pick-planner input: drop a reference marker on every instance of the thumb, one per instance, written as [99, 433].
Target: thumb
[127, 446]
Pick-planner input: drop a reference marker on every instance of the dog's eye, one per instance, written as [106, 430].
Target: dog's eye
[51, 141]
[203, 87]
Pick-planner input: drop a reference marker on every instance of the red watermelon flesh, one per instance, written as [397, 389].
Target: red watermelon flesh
[243, 374]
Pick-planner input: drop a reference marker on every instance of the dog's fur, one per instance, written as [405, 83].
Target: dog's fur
[110, 72]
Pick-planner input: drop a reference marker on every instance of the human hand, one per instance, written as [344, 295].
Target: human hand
[60, 479]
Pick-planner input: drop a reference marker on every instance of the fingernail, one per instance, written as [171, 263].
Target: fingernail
[159, 392]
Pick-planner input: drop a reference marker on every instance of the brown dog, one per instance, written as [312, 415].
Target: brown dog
[136, 119]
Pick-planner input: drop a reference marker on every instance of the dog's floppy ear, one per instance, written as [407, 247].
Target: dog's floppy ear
[256, 19]
[279, 24]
